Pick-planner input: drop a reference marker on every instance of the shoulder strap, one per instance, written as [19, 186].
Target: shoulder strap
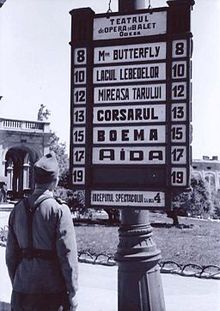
[29, 213]
[30, 210]
[43, 198]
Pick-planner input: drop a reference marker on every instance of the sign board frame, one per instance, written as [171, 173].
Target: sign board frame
[156, 62]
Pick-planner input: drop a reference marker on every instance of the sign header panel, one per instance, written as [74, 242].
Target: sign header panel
[133, 25]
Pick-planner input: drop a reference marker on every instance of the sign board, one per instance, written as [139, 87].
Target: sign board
[130, 106]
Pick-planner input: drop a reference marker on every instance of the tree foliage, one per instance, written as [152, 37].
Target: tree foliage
[200, 203]
[196, 202]
[55, 145]
[216, 204]
[59, 149]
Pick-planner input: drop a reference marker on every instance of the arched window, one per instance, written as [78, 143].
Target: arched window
[19, 161]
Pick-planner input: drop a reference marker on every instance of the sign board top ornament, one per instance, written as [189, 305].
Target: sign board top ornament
[131, 25]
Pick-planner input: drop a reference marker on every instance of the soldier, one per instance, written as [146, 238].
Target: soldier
[41, 252]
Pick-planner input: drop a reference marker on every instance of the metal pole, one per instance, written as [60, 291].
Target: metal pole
[139, 281]
[130, 5]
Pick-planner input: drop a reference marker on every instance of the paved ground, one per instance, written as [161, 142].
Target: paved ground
[98, 288]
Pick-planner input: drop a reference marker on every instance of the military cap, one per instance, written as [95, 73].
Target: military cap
[46, 169]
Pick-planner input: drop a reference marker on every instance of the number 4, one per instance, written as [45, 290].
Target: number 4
[157, 198]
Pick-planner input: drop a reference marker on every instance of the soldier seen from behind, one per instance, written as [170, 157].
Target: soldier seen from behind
[41, 253]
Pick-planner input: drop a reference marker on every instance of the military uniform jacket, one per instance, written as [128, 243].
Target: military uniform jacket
[52, 229]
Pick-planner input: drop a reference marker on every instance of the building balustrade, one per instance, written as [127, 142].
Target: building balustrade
[23, 125]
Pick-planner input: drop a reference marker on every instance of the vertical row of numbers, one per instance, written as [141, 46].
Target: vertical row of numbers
[179, 114]
[79, 115]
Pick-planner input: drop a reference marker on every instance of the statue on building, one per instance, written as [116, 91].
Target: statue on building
[43, 113]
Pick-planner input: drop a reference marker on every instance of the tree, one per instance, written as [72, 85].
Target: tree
[179, 207]
[200, 202]
[59, 149]
[196, 202]
[216, 204]
[74, 199]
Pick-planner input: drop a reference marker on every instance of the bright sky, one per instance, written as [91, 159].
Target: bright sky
[35, 64]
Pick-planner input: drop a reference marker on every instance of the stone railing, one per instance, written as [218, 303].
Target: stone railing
[23, 125]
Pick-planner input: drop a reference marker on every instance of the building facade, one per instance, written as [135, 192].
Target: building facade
[22, 143]
[208, 169]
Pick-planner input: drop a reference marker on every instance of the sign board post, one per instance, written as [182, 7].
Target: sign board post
[130, 127]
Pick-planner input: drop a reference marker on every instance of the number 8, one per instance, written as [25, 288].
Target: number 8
[80, 56]
[179, 48]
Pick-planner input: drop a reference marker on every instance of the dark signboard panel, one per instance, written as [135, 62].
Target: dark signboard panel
[131, 105]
